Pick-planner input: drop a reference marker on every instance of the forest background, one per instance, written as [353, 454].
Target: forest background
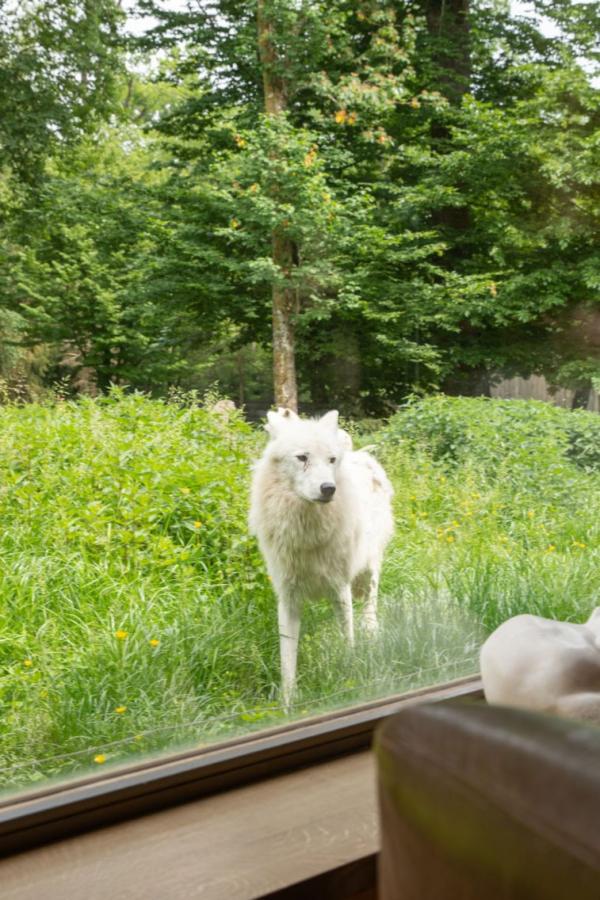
[331, 203]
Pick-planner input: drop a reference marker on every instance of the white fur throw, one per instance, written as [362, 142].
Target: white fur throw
[540, 664]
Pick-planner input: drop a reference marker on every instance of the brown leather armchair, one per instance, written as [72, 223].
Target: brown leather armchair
[480, 803]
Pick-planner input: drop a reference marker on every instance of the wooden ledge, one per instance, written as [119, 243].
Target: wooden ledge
[289, 814]
[68, 808]
[308, 833]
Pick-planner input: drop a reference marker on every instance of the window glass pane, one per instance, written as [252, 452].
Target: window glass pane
[372, 208]
[138, 615]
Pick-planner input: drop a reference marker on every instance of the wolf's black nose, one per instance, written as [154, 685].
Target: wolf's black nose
[328, 489]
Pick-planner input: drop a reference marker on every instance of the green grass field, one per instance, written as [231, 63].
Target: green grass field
[135, 612]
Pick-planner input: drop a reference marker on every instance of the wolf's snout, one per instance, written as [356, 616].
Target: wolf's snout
[327, 490]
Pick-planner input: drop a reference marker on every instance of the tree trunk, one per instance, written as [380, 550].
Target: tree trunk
[284, 294]
[241, 373]
[284, 308]
[448, 26]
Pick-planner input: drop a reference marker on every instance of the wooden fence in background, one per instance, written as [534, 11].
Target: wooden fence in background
[536, 388]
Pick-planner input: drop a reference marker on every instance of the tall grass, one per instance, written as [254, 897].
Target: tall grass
[135, 612]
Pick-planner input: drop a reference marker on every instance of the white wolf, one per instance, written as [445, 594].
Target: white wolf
[541, 664]
[322, 514]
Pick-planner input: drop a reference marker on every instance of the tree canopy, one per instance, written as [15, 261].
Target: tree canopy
[384, 197]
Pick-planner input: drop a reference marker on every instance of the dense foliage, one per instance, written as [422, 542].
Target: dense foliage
[135, 611]
[494, 433]
[59, 65]
[433, 176]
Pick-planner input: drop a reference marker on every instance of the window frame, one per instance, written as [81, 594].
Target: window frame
[72, 807]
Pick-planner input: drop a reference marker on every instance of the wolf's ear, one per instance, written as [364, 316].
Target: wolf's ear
[286, 413]
[278, 420]
[273, 424]
[330, 420]
[344, 439]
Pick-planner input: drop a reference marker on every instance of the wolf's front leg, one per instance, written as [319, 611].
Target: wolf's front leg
[344, 600]
[370, 612]
[288, 609]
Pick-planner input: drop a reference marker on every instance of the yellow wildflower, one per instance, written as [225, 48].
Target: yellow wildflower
[415, 103]
[550, 548]
[121, 635]
[197, 524]
[352, 119]
[341, 116]
[100, 758]
[239, 140]
[154, 642]
[450, 539]
[185, 490]
[120, 709]
[530, 514]
[310, 157]
[27, 662]
[234, 223]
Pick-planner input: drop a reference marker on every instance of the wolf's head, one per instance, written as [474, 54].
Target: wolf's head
[307, 452]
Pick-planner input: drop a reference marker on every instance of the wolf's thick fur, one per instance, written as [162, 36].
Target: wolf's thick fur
[541, 664]
[322, 515]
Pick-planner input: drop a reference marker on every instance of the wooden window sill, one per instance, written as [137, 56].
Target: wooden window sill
[288, 814]
[244, 843]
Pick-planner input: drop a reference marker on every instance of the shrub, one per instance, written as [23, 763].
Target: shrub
[495, 432]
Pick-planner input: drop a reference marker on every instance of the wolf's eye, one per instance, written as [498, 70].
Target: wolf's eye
[332, 459]
[302, 457]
